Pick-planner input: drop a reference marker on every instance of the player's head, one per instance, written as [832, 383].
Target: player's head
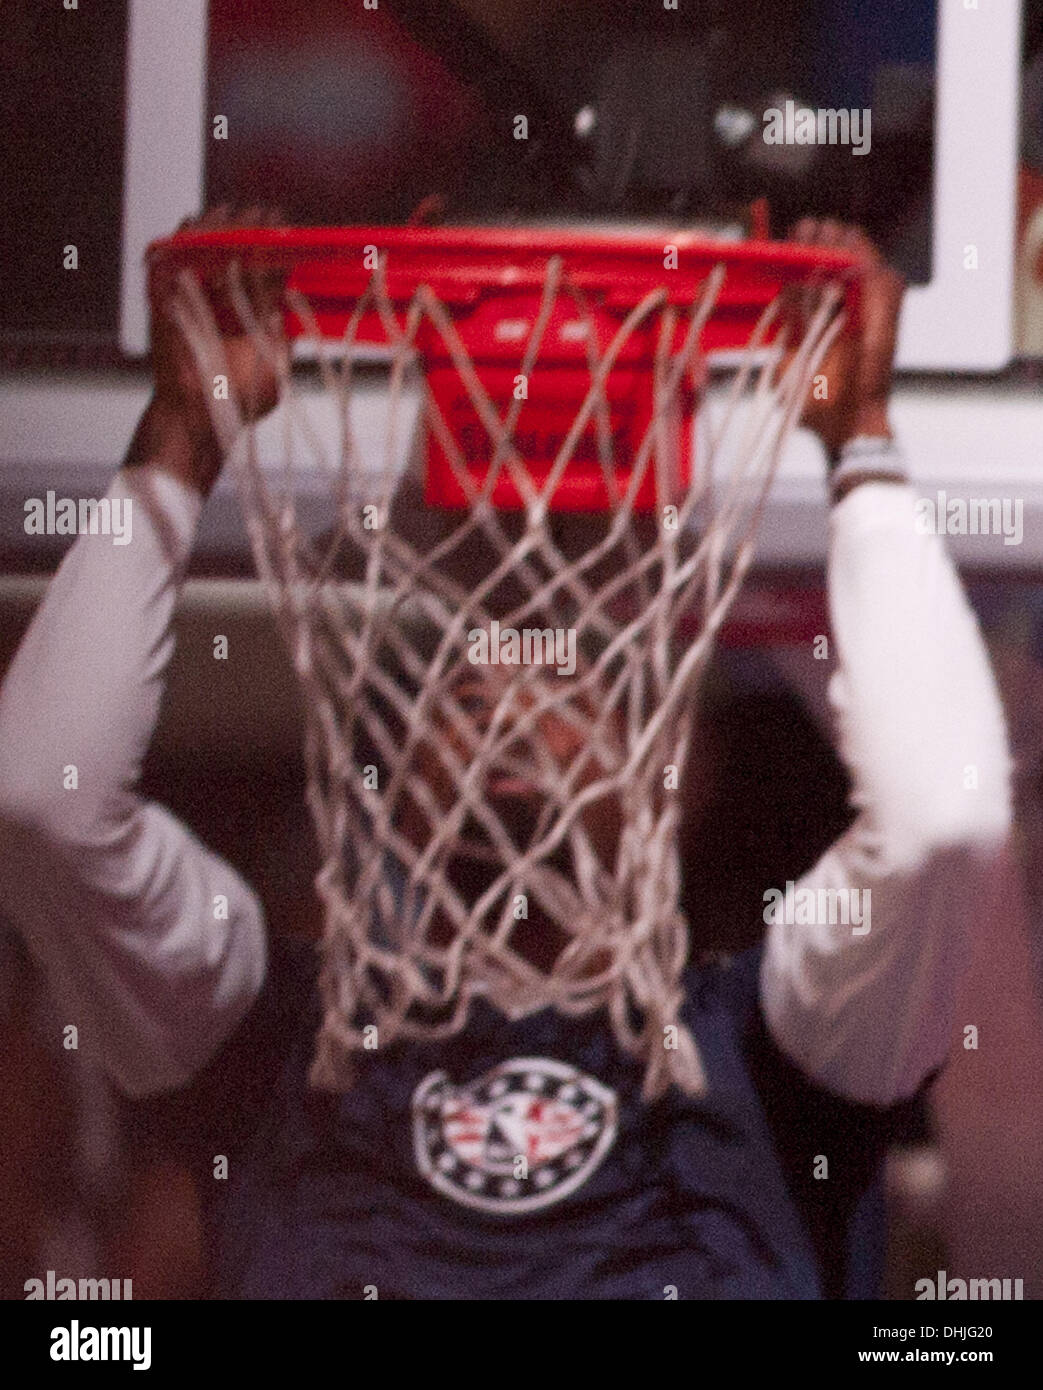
[541, 752]
[542, 721]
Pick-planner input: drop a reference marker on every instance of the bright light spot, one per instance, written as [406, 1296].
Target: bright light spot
[586, 120]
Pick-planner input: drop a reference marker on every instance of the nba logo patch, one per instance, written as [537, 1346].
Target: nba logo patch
[521, 1137]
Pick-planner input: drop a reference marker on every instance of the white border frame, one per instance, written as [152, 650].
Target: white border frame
[961, 321]
[164, 151]
[978, 88]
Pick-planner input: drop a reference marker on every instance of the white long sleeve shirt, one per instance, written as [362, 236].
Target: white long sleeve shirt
[115, 897]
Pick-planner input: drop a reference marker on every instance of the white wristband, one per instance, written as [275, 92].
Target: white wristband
[876, 456]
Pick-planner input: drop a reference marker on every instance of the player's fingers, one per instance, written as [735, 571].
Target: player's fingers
[856, 240]
[264, 285]
[215, 217]
[800, 306]
[831, 232]
[273, 288]
[251, 215]
[818, 231]
[228, 215]
[199, 221]
[266, 295]
[806, 230]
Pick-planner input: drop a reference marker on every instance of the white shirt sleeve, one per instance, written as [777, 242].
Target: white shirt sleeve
[118, 901]
[870, 1015]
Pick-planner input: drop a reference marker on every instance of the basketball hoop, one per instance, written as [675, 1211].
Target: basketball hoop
[565, 495]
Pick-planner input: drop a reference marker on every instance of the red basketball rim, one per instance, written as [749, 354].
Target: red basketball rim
[507, 257]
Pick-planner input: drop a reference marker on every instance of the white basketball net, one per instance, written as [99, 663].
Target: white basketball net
[438, 874]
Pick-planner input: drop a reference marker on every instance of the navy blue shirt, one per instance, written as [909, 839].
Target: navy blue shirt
[518, 1161]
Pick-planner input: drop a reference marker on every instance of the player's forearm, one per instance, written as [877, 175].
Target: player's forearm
[860, 988]
[84, 688]
[921, 726]
[168, 442]
[153, 946]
